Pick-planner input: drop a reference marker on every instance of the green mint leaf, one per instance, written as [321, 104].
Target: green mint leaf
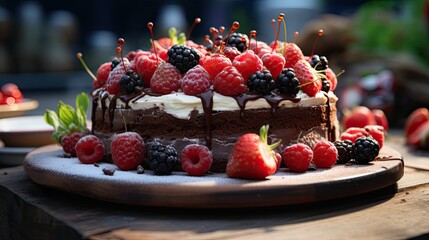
[82, 102]
[51, 118]
[67, 115]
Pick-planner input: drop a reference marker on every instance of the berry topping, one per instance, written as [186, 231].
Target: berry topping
[345, 151]
[183, 57]
[319, 62]
[332, 79]
[113, 86]
[102, 75]
[252, 157]
[115, 62]
[146, 67]
[69, 141]
[196, 159]
[127, 150]
[89, 149]
[238, 40]
[261, 82]
[131, 83]
[297, 157]
[195, 81]
[215, 63]
[292, 54]
[162, 159]
[229, 82]
[247, 63]
[287, 82]
[274, 62]
[231, 53]
[365, 150]
[325, 154]
[307, 77]
[166, 79]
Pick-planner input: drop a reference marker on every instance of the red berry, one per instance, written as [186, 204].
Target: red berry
[196, 159]
[215, 63]
[259, 48]
[102, 75]
[229, 82]
[418, 117]
[11, 94]
[360, 116]
[231, 52]
[325, 154]
[166, 79]
[309, 81]
[146, 66]
[353, 133]
[113, 86]
[274, 62]
[195, 81]
[127, 150]
[247, 63]
[380, 118]
[332, 79]
[292, 54]
[297, 157]
[68, 142]
[376, 132]
[89, 149]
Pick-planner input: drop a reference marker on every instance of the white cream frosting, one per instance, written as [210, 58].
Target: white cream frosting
[181, 105]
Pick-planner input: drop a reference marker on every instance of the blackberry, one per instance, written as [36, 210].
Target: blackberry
[162, 159]
[183, 57]
[319, 62]
[287, 82]
[261, 82]
[345, 151]
[131, 82]
[326, 86]
[365, 150]
[238, 40]
[115, 62]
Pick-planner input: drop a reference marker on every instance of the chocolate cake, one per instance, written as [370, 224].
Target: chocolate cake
[214, 120]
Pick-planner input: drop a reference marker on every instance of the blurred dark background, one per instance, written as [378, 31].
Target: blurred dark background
[371, 40]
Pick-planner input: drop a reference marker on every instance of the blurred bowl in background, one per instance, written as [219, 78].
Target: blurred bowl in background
[18, 109]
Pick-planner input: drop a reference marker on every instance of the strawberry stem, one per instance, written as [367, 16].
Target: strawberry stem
[80, 57]
[263, 134]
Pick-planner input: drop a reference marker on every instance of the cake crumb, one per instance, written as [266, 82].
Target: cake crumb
[108, 171]
[140, 169]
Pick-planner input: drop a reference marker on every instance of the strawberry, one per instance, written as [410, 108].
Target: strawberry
[69, 124]
[195, 81]
[415, 119]
[112, 85]
[102, 75]
[297, 157]
[353, 133]
[196, 159]
[146, 66]
[229, 82]
[165, 79]
[332, 79]
[292, 54]
[376, 132]
[247, 63]
[274, 62]
[11, 94]
[252, 157]
[127, 150]
[360, 116]
[309, 81]
[419, 138]
[215, 63]
[380, 119]
[89, 149]
[325, 154]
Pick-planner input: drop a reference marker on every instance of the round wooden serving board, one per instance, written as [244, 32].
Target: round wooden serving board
[47, 167]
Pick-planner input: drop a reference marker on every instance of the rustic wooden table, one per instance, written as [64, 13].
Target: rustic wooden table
[399, 211]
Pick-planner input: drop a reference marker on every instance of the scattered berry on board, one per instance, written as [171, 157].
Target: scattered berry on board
[127, 150]
[162, 159]
[196, 159]
[89, 149]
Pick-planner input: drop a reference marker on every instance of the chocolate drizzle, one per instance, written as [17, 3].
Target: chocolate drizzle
[207, 102]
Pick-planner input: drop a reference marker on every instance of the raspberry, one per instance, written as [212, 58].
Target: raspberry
[353, 133]
[102, 75]
[307, 77]
[287, 82]
[292, 54]
[215, 63]
[231, 53]
[247, 63]
[183, 57]
[196, 159]
[261, 82]
[365, 150]
[112, 85]
[229, 82]
[274, 62]
[238, 40]
[259, 48]
[127, 150]
[297, 157]
[146, 66]
[162, 159]
[166, 79]
[68, 142]
[345, 151]
[325, 154]
[89, 149]
[376, 132]
[195, 81]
